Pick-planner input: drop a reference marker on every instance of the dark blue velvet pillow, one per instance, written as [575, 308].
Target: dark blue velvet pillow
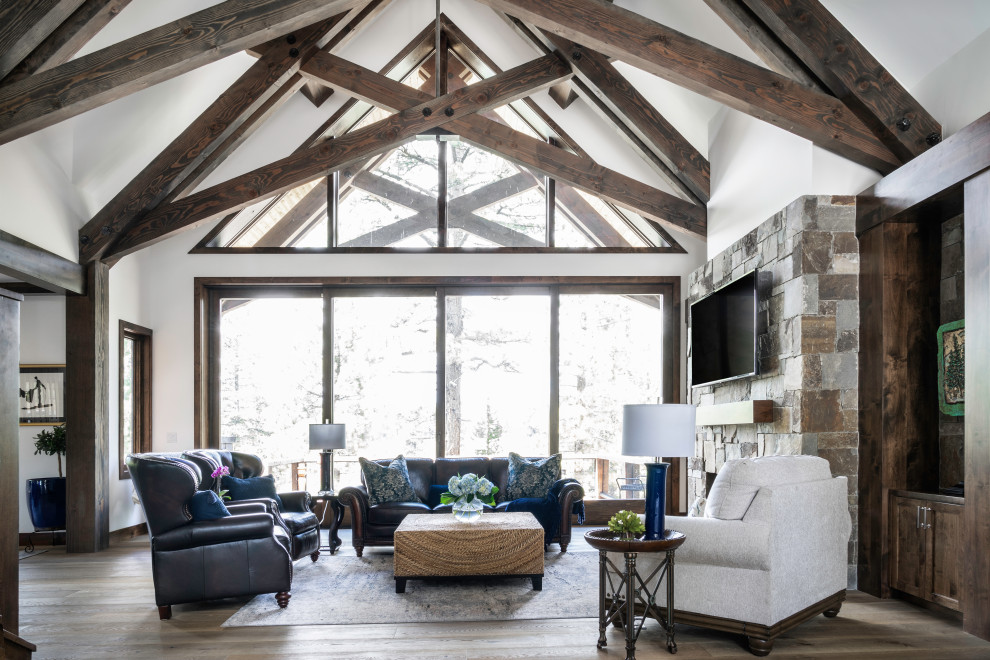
[433, 499]
[251, 488]
[207, 505]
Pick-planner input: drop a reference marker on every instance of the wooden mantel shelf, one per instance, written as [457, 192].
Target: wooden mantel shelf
[738, 412]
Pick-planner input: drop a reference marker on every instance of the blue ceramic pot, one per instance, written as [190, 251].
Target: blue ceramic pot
[46, 502]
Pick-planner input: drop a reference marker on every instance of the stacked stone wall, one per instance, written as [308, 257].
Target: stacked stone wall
[808, 353]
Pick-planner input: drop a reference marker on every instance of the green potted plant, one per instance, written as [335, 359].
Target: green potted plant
[46, 496]
[626, 525]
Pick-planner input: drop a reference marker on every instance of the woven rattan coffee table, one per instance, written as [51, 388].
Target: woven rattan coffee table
[498, 544]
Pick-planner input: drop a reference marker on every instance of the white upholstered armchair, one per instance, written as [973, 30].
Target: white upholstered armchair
[770, 553]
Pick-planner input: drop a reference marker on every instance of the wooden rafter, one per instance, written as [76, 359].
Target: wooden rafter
[34, 265]
[588, 218]
[762, 41]
[706, 70]
[219, 129]
[165, 52]
[519, 148]
[67, 38]
[295, 218]
[483, 66]
[24, 25]
[649, 133]
[347, 149]
[851, 73]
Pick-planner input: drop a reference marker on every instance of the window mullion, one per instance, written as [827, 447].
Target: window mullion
[554, 370]
[441, 409]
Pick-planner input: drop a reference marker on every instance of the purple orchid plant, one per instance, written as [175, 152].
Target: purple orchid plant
[221, 471]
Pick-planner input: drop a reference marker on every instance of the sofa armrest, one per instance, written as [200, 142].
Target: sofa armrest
[296, 501]
[730, 543]
[356, 499]
[240, 508]
[212, 532]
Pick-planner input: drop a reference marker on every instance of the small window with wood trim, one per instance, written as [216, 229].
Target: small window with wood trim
[135, 392]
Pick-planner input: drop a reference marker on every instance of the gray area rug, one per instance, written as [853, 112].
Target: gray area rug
[344, 590]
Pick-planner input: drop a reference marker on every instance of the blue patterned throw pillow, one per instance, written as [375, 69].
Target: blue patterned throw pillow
[207, 505]
[531, 478]
[251, 488]
[388, 484]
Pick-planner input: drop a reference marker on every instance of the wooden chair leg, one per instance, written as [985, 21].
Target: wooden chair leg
[832, 611]
[164, 612]
[282, 598]
[314, 555]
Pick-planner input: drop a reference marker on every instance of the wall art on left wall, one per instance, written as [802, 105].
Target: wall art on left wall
[41, 400]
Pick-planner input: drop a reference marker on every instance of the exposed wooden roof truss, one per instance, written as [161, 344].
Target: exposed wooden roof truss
[822, 84]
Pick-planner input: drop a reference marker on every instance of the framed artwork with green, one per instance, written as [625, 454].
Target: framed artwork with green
[951, 368]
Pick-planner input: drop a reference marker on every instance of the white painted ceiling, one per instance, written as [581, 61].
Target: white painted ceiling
[101, 150]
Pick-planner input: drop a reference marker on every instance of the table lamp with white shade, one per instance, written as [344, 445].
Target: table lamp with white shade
[326, 438]
[661, 429]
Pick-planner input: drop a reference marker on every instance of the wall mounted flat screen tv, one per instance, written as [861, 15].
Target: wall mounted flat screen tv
[724, 332]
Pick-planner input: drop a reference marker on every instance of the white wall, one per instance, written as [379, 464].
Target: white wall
[42, 342]
[125, 304]
[958, 91]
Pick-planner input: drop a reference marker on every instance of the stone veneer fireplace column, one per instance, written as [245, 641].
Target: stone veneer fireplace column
[809, 352]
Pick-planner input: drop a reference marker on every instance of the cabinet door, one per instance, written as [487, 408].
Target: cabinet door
[947, 538]
[908, 548]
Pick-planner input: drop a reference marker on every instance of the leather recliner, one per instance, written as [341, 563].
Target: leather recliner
[244, 554]
[295, 514]
[376, 525]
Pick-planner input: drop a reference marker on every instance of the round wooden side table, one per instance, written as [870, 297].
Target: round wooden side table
[623, 591]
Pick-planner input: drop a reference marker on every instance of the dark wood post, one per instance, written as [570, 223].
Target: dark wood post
[10, 330]
[87, 353]
[976, 593]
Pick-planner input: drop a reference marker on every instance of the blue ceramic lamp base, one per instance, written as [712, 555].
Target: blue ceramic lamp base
[656, 500]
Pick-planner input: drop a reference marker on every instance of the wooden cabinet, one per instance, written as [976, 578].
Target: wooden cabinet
[926, 546]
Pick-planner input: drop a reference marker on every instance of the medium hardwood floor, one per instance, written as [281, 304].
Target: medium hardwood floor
[102, 606]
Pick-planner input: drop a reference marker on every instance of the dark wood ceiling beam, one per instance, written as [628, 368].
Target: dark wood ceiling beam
[345, 150]
[762, 41]
[708, 71]
[851, 73]
[268, 78]
[29, 263]
[598, 104]
[687, 169]
[563, 94]
[84, 23]
[404, 62]
[165, 52]
[462, 46]
[25, 24]
[581, 172]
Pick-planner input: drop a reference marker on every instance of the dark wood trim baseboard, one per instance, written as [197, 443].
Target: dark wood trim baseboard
[125, 533]
[58, 537]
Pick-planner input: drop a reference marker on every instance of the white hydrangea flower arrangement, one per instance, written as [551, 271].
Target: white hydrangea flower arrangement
[468, 494]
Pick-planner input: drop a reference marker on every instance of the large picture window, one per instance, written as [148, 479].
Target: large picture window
[442, 367]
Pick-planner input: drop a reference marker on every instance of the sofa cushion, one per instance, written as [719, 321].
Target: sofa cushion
[531, 478]
[299, 522]
[251, 488]
[207, 505]
[388, 484]
[740, 479]
[392, 513]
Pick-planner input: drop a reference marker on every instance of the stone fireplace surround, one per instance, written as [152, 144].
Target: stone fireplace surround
[808, 352]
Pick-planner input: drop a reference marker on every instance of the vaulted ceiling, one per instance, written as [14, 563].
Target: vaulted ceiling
[654, 73]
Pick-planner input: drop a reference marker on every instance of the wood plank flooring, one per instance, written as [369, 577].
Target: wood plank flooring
[102, 606]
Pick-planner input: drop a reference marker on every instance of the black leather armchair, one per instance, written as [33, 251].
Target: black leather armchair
[241, 555]
[295, 515]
